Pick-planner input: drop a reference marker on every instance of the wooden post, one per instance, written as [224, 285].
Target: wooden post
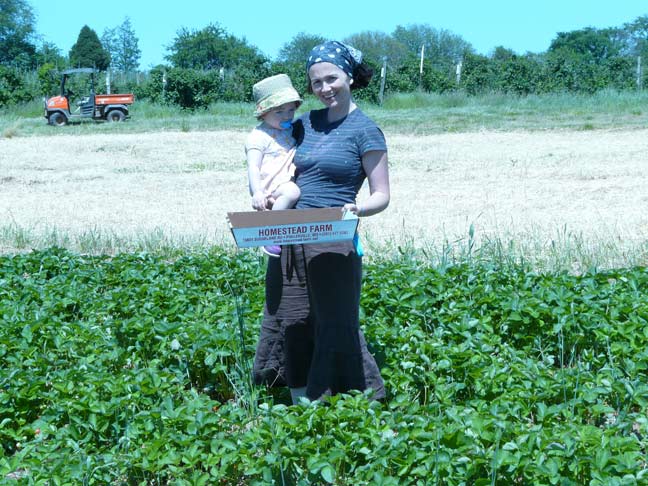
[639, 77]
[421, 67]
[459, 66]
[383, 75]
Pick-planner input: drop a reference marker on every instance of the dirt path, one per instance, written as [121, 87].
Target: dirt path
[507, 185]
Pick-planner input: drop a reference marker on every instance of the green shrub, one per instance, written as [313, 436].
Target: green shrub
[187, 88]
[238, 82]
[619, 73]
[518, 75]
[151, 88]
[399, 80]
[567, 71]
[49, 79]
[476, 74]
[13, 88]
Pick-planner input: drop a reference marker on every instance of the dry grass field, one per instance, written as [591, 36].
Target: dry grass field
[538, 189]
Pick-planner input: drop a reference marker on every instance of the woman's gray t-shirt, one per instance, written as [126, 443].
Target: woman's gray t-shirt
[328, 159]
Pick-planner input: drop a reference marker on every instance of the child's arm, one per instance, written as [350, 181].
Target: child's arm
[259, 200]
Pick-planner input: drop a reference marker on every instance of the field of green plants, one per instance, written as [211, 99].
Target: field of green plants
[133, 369]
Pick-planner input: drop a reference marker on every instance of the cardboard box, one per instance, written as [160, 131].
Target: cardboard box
[292, 226]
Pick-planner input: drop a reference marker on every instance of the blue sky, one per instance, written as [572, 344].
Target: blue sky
[515, 24]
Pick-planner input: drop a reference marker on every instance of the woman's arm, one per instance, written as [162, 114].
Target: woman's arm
[376, 168]
[254, 158]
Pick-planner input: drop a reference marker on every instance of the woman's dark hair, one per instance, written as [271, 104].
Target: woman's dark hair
[362, 75]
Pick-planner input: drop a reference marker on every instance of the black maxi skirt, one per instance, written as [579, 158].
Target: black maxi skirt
[310, 335]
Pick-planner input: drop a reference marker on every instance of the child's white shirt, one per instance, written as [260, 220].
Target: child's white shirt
[277, 148]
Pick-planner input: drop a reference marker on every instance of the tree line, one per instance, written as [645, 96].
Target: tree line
[210, 64]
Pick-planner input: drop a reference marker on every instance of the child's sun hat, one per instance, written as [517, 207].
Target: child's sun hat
[269, 93]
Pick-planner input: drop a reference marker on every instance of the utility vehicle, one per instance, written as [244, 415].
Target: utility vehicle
[68, 106]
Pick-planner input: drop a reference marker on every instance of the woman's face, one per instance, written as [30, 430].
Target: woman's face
[330, 84]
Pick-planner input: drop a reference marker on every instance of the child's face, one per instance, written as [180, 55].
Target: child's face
[281, 114]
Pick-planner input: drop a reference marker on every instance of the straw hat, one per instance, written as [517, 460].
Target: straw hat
[269, 93]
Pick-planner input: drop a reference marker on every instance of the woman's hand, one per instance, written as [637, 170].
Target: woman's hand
[259, 201]
[354, 208]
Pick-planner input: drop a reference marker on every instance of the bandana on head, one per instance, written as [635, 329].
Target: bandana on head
[343, 56]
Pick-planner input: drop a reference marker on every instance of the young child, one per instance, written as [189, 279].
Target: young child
[270, 148]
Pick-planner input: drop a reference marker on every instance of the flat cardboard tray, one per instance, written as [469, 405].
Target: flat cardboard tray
[292, 226]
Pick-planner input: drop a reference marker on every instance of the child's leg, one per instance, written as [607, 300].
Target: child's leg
[285, 196]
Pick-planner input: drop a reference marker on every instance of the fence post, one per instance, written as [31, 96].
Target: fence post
[383, 75]
[421, 67]
[639, 77]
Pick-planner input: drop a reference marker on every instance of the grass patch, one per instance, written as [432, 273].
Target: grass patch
[10, 131]
[419, 113]
[422, 113]
[562, 251]
[95, 241]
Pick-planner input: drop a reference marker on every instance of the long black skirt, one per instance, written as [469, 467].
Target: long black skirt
[310, 335]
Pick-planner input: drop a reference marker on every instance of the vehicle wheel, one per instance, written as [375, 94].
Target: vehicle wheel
[115, 116]
[58, 119]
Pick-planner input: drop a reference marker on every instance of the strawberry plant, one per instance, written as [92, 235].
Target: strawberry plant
[134, 370]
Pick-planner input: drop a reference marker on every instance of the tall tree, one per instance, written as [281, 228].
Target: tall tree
[377, 45]
[501, 53]
[442, 47]
[16, 33]
[598, 44]
[48, 52]
[636, 37]
[299, 47]
[122, 44]
[212, 47]
[88, 51]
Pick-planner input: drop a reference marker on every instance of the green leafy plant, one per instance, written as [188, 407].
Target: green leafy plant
[135, 369]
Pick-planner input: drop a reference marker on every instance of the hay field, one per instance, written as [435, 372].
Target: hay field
[535, 188]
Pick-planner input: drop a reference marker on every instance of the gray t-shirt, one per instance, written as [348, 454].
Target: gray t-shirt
[328, 159]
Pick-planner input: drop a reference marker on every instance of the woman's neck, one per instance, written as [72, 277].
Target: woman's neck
[338, 112]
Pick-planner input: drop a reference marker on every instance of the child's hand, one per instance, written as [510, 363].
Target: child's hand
[259, 201]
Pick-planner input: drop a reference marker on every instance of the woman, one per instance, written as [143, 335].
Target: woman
[310, 336]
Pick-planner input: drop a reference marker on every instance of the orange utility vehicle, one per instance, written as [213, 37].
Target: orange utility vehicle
[108, 107]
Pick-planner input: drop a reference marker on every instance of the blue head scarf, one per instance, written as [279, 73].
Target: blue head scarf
[341, 55]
